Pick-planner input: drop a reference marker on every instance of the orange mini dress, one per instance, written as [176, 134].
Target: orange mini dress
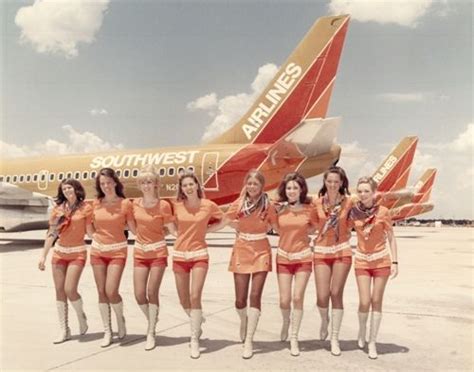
[332, 242]
[109, 245]
[294, 248]
[190, 245]
[251, 252]
[70, 247]
[372, 251]
[150, 245]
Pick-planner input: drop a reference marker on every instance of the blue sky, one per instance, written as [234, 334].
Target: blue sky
[133, 73]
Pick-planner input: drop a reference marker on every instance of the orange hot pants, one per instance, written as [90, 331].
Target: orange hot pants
[347, 260]
[150, 262]
[187, 266]
[294, 268]
[69, 259]
[106, 261]
[376, 272]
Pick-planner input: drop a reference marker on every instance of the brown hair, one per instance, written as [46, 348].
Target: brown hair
[299, 179]
[108, 172]
[369, 180]
[344, 189]
[188, 174]
[78, 190]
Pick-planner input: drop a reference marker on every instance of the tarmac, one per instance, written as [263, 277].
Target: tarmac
[427, 315]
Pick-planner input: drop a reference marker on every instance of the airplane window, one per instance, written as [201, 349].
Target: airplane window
[135, 173]
[35, 177]
[126, 173]
[85, 175]
[22, 177]
[162, 172]
[14, 179]
[180, 171]
[118, 172]
[171, 171]
[1, 178]
[93, 174]
[43, 177]
[51, 177]
[77, 175]
[8, 178]
[69, 175]
[60, 176]
[191, 169]
[28, 178]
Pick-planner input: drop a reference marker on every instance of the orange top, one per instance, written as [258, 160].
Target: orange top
[327, 245]
[149, 227]
[192, 224]
[72, 235]
[294, 226]
[373, 242]
[254, 223]
[110, 220]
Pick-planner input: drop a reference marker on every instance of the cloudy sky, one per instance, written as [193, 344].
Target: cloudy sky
[79, 76]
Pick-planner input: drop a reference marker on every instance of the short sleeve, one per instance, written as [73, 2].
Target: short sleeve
[88, 213]
[53, 218]
[216, 211]
[166, 212]
[233, 210]
[127, 205]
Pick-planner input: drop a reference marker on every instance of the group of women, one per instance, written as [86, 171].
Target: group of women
[294, 216]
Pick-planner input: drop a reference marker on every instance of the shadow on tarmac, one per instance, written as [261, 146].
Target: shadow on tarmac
[18, 245]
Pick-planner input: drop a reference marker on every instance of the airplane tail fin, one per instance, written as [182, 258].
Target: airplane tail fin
[424, 186]
[302, 87]
[394, 171]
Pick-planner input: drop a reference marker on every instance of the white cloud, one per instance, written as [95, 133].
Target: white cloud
[402, 97]
[353, 156]
[465, 141]
[96, 112]
[402, 12]
[77, 143]
[227, 110]
[58, 26]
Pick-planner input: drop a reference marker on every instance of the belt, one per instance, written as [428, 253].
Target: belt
[108, 247]
[187, 255]
[77, 249]
[331, 249]
[372, 256]
[252, 237]
[151, 246]
[294, 256]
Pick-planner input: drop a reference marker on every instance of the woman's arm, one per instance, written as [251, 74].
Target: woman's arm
[48, 243]
[132, 225]
[393, 253]
[172, 229]
[217, 226]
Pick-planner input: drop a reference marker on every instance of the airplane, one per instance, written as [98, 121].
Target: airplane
[285, 130]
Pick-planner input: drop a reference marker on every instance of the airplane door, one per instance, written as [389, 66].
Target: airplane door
[43, 179]
[209, 171]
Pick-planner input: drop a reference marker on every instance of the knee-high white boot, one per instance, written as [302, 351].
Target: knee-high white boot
[323, 330]
[374, 329]
[296, 317]
[64, 331]
[118, 310]
[243, 322]
[144, 309]
[337, 315]
[106, 321]
[153, 311]
[285, 313]
[252, 320]
[362, 329]
[195, 322]
[81, 316]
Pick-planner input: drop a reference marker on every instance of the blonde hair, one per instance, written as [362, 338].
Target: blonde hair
[149, 172]
[370, 181]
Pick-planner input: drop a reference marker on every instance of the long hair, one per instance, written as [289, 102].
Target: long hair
[181, 195]
[262, 204]
[370, 181]
[148, 172]
[299, 179]
[78, 190]
[108, 172]
[344, 189]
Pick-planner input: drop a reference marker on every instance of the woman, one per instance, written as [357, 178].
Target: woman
[252, 215]
[296, 219]
[332, 251]
[150, 253]
[111, 215]
[374, 262]
[67, 228]
[192, 215]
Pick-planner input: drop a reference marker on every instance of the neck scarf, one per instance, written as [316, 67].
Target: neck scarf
[63, 221]
[332, 214]
[249, 206]
[360, 212]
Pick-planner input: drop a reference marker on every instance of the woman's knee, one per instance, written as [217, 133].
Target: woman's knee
[323, 300]
[285, 303]
[195, 300]
[364, 305]
[298, 301]
[71, 293]
[240, 303]
[377, 305]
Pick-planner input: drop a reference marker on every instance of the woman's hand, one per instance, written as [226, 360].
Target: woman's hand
[41, 263]
[394, 271]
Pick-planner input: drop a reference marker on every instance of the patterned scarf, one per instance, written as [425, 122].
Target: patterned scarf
[332, 214]
[360, 212]
[249, 206]
[63, 221]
